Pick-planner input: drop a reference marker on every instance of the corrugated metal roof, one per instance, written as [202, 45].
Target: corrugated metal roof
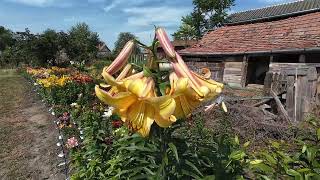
[272, 12]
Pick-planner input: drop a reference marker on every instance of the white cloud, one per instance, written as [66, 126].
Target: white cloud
[39, 3]
[76, 19]
[116, 3]
[96, 1]
[276, 1]
[45, 3]
[163, 15]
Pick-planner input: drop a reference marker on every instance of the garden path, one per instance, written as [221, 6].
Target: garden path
[27, 134]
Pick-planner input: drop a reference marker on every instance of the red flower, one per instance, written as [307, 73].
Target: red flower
[116, 124]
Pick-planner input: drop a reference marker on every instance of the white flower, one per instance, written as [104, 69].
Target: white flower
[60, 137]
[81, 137]
[58, 144]
[61, 164]
[73, 104]
[53, 113]
[72, 62]
[108, 112]
[60, 155]
[81, 132]
[35, 84]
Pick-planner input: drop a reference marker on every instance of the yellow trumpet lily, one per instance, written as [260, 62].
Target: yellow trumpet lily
[135, 100]
[198, 88]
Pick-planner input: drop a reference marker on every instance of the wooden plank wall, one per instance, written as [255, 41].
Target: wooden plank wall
[318, 92]
[216, 68]
[277, 67]
[232, 72]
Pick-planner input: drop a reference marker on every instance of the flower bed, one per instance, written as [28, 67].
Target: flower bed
[102, 144]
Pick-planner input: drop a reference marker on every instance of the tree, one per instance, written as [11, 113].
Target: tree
[46, 46]
[6, 38]
[123, 38]
[187, 30]
[206, 15]
[82, 43]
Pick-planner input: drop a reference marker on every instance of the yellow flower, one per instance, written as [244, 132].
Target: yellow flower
[135, 100]
[196, 88]
[53, 80]
[133, 95]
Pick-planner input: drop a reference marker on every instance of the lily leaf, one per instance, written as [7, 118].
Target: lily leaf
[174, 150]
[147, 72]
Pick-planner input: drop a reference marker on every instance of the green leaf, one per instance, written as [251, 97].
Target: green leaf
[174, 150]
[256, 161]
[246, 144]
[193, 167]
[270, 159]
[237, 155]
[304, 148]
[303, 170]
[265, 177]
[212, 177]
[275, 144]
[163, 86]
[190, 174]
[263, 167]
[147, 72]
[236, 140]
[318, 134]
[294, 173]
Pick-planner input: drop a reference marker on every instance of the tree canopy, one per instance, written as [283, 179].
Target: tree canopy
[206, 15]
[123, 38]
[79, 44]
[6, 38]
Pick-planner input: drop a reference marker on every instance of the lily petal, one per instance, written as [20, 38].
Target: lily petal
[165, 122]
[164, 105]
[140, 87]
[121, 100]
[165, 42]
[140, 117]
[121, 59]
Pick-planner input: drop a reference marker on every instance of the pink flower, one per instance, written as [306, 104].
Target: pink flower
[72, 142]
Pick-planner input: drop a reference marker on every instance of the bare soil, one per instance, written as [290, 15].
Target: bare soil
[27, 133]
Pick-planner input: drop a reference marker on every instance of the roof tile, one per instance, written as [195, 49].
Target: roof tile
[297, 32]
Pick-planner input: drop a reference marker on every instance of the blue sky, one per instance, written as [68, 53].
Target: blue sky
[107, 17]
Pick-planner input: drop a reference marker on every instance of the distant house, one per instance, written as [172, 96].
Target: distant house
[103, 50]
[259, 40]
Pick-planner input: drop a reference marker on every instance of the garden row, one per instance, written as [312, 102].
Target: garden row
[99, 147]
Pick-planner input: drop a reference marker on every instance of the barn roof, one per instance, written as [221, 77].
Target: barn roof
[274, 12]
[300, 33]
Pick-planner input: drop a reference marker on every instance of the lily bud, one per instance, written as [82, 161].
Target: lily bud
[165, 42]
[121, 59]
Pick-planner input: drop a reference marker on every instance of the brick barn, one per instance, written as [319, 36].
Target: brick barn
[261, 40]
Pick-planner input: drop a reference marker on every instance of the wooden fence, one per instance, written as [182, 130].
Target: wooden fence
[299, 89]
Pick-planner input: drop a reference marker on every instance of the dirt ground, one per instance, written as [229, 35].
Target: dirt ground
[27, 134]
